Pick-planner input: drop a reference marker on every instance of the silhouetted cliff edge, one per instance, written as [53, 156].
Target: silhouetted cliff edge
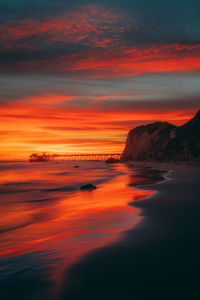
[163, 141]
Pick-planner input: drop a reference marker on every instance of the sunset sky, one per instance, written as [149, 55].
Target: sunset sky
[75, 76]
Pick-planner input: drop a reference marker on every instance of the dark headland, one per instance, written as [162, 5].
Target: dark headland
[162, 141]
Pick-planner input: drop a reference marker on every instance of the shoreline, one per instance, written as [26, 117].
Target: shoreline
[148, 259]
[86, 221]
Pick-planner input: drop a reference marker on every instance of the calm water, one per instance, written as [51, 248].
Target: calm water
[47, 224]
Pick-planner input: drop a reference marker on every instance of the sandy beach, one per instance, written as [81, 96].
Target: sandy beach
[159, 258]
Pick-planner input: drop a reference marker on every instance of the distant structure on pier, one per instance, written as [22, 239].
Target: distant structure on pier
[57, 157]
[39, 158]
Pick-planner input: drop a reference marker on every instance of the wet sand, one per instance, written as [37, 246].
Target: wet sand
[159, 258]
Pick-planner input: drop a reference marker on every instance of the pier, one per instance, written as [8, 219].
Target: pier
[57, 157]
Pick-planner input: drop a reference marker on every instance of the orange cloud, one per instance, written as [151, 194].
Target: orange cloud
[136, 61]
[127, 61]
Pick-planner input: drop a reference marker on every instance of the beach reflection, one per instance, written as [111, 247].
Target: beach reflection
[43, 214]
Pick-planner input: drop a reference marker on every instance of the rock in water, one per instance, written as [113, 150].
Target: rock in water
[112, 160]
[163, 141]
[88, 187]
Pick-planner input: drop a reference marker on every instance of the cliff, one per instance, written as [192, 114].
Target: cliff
[163, 141]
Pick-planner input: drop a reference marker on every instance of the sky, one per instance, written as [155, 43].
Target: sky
[76, 76]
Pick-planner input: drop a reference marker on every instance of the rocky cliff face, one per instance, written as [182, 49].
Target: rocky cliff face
[164, 142]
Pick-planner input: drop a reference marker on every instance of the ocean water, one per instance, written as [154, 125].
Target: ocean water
[47, 224]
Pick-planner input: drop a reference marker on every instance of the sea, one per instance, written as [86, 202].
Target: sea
[47, 224]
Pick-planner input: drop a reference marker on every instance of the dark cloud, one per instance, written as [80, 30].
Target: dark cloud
[64, 36]
[158, 105]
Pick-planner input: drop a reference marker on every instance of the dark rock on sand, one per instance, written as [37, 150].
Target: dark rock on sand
[163, 141]
[88, 187]
[112, 160]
